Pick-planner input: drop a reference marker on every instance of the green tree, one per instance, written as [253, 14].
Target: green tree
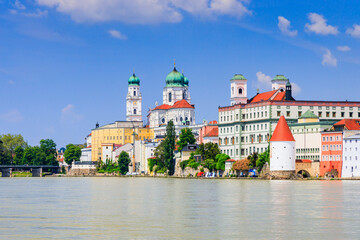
[72, 153]
[48, 147]
[186, 137]
[253, 158]
[39, 157]
[11, 141]
[4, 155]
[28, 156]
[123, 162]
[263, 158]
[209, 164]
[169, 147]
[220, 161]
[19, 153]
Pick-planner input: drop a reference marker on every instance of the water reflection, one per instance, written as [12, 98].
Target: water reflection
[151, 208]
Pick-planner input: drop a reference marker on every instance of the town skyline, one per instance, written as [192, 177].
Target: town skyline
[57, 84]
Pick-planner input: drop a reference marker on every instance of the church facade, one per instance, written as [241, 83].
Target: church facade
[176, 106]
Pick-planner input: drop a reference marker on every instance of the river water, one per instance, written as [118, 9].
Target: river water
[166, 208]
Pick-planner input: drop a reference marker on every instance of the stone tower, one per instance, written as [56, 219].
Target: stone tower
[282, 150]
[238, 89]
[133, 100]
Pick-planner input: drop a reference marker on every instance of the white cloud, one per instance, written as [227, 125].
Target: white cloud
[117, 34]
[144, 11]
[295, 89]
[18, 5]
[284, 26]
[343, 48]
[37, 14]
[263, 80]
[68, 114]
[355, 31]
[13, 116]
[328, 59]
[318, 25]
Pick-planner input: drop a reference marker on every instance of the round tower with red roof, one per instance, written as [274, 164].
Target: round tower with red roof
[282, 150]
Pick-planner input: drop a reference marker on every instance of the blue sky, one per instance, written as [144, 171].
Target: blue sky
[64, 64]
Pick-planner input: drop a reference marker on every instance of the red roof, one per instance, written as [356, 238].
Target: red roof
[213, 122]
[230, 160]
[272, 95]
[282, 132]
[213, 133]
[163, 107]
[280, 96]
[263, 96]
[349, 124]
[182, 104]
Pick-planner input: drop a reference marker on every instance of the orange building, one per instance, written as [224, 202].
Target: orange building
[331, 152]
[331, 145]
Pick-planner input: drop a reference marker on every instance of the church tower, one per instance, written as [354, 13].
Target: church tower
[133, 100]
[279, 81]
[238, 85]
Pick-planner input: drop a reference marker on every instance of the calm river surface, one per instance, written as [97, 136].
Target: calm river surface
[155, 208]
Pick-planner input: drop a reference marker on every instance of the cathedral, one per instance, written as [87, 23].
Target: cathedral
[176, 104]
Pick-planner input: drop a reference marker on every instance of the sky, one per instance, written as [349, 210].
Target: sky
[64, 64]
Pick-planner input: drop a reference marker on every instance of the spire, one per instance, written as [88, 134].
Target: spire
[174, 65]
[282, 132]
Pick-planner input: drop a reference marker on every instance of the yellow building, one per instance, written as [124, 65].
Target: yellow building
[120, 132]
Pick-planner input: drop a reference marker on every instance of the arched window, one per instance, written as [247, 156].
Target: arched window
[134, 93]
[181, 119]
[240, 91]
[134, 111]
[170, 97]
[163, 120]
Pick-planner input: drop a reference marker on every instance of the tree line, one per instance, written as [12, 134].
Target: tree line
[15, 151]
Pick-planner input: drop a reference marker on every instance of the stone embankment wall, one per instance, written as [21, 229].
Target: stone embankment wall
[82, 172]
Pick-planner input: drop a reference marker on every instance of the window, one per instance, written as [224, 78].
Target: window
[170, 97]
[240, 91]
[278, 113]
[299, 114]
[334, 114]
[320, 114]
[342, 114]
[351, 114]
[134, 111]
[288, 113]
[327, 114]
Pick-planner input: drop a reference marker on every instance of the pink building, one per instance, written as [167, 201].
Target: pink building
[209, 133]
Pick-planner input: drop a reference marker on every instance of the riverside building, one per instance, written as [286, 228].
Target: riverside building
[245, 127]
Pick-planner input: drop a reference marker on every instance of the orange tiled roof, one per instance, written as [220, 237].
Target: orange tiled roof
[280, 96]
[213, 122]
[163, 107]
[213, 133]
[349, 124]
[263, 96]
[282, 132]
[182, 104]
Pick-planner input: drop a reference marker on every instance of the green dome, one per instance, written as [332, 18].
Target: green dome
[134, 80]
[174, 79]
[238, 77]
[280, 77]
[186, 81]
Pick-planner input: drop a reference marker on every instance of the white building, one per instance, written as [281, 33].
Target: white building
[246, 128]
[351, 156]
[86, 152]
[176, 106]
[133, 100]
[282, 148]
